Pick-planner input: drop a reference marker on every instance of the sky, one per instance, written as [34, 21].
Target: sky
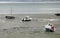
[28, 0]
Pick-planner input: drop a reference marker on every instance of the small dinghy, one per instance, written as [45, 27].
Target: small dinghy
[27, 18]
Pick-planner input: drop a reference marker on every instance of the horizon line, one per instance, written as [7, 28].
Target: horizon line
[33, 2]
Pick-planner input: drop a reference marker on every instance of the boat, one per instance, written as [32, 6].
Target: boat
[58, 14]
[49, 28]
[27, 18]
[10, 17]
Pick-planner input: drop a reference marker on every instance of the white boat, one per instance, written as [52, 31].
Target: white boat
[27, 18]
[49, 28]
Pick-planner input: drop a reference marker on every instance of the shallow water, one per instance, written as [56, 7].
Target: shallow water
[15, 28]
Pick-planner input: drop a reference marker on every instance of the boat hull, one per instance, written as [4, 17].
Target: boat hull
[9, 17]
[26, 20]
[57, 14]
[48, 30]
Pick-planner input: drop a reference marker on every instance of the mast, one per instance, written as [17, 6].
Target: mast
[11, 12]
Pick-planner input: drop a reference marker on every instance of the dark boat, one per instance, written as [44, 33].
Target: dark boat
[58, 14]
[10, 17]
